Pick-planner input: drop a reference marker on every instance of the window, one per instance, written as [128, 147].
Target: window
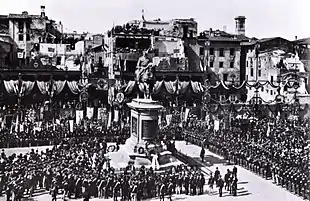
[271, 80]
[247, 63]
[21, 27]
[231, 64]
[221, 52]
[28, 37]
[252, 72]
[233, 98]
[58, 61]
[232, 51]
[211, 51]
[28, 25]
[262, 89]
[271, 92]
[225, 76]
[259, 73]
[222, 97]
[211, 64]
[201, 51]
[21, 37]
[221, 64]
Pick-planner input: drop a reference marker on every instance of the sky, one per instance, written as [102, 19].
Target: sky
[264, 18]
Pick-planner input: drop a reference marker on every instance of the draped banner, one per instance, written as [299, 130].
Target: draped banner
[58, 86]
[183, 86]
[186, 114]
[44, 87]
[11, 86]
[71, 125]
[157, 86]
[116, 115]
[109, 119]
[27, 87]
[78, 116]
[170, 86]
[73, 86]
[89, 112]
[216, 125]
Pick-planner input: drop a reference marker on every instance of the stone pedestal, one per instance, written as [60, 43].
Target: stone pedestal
[144, 123]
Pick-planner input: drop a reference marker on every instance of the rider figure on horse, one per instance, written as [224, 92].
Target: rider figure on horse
[145, 74]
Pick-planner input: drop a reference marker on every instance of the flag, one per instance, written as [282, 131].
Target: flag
[78, 117]
[186, 114]
[125, 65]
[71, 126]
[216, 125]
[109, 119]
[90, 112]
[116, 115]
[268, 131]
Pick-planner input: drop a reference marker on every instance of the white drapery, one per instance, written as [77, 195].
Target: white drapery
[183, 86]
[197, 87]
[11, 86]
[44, 87]
[27, 87]
[58, 86]
[170, 86]
[157, 86]
[73, 86]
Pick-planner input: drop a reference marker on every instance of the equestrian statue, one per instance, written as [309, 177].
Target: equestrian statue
[145, 75]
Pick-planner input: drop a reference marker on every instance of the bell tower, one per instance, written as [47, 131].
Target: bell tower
[240, 25]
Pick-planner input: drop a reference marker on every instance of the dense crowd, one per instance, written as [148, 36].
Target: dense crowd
[81, 170]
[49, 135]
[275, 149]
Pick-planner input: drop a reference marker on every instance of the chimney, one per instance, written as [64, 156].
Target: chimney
[42, 11]
[240, 25]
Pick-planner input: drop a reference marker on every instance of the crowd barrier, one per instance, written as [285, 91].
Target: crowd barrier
[287, 181]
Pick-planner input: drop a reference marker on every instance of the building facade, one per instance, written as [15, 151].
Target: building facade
[274, 63]
[28, 30]
[220, 53]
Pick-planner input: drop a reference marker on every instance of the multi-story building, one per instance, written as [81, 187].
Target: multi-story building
[221, 55]
[26, 30]
[8, 52]
[173, 49]
[273, 62]
[304, 55]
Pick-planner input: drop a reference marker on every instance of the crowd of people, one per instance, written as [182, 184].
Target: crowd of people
[276, 149]
[49, 135]
[82, 170]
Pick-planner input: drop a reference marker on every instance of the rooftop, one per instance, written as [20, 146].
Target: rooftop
[219, 35]
[303, 41]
